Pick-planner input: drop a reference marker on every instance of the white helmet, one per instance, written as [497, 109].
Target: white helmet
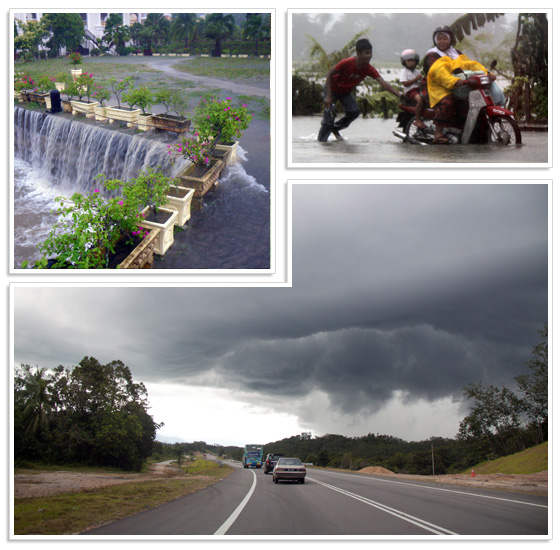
[409, 54]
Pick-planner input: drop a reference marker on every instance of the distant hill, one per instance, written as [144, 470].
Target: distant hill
[530, 461]
[170, 440]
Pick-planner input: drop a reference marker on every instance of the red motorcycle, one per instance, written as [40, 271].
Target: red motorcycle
[486, 122]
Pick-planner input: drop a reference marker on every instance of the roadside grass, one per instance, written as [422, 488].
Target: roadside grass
[235, 69]
[530, 461]
[73, 513]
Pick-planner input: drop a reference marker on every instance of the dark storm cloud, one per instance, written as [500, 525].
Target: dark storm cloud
[416, 289]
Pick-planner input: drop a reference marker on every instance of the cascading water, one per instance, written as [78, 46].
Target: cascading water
[71, 154]
[57, 156]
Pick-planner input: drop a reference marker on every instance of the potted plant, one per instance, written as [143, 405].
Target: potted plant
[88, 231]
[148, 191]
[100, 94]
[119, 87]
[223, 121]
[75, 59]
[40, 89]
[60, 81]
[173, 102]
[71, 91]
[144, 99]
[22, 85]
[84, 89]
[204, 169]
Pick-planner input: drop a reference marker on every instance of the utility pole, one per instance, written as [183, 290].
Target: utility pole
[433, 467]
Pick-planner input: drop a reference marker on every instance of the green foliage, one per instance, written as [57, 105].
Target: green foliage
[220, 120]
[173, 101]
[502, 421]
[100, 93]
[530, 62]
[67, 30]
[307, 97]
[119, 86]
[139, 97]
[91, 413]
[85, 85]
[89, 226]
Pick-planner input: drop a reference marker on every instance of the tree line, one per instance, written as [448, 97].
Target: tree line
[91, 414]
[181, 33]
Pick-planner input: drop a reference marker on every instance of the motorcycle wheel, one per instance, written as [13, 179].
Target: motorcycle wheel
[507, 131]
[423, 135]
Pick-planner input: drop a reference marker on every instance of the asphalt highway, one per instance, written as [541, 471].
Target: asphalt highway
[338, 504]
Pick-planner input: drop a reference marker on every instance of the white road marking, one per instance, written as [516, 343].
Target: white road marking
[229, 522]
[447, 490]
[401, 515]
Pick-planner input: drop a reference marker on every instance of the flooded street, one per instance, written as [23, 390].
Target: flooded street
[371, 141]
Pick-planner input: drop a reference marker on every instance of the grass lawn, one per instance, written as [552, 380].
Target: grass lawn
[150, 72]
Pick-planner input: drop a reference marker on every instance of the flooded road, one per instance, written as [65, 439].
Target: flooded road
[371, 141]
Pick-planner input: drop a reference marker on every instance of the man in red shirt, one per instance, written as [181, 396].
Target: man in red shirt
[340, 85]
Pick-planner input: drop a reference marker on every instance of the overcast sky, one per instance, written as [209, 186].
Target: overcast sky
[401, 295]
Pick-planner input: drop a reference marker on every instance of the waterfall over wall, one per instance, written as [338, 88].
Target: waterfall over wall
[71, 153]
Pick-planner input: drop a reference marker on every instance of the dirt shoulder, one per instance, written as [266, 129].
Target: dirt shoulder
[522, 483]
[33, 483]
[38, 484]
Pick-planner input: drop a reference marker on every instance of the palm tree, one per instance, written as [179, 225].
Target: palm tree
[219, 26]
[182, 27]
[116, 34]
[326, 61]
[257, 28]
[37, 398]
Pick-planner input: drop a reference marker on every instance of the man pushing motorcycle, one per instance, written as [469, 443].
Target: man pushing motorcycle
[341, 82]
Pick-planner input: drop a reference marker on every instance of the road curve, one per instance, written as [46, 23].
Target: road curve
[248, 503]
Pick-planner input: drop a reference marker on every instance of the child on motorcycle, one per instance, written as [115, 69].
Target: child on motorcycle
[410, 78]
[340, 85]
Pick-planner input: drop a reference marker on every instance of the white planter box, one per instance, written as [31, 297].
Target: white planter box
[231, 149]
[83, 107]
[125, 115]
[166, 236]
[100, 112]
[180, 201]
[145, 122]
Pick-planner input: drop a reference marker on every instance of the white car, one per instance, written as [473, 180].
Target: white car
[290, 469]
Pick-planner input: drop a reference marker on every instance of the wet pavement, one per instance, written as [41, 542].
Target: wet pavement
[371, 141]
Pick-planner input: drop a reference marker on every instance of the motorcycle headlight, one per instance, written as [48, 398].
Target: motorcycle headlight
[485, 80]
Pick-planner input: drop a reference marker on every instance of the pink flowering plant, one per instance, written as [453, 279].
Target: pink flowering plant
[24, 83]
[75, 58]
[219, 119]
[88, 228]
[85, 86]
[149, 188]
[44, 84]
[100, 94]
[193, 147]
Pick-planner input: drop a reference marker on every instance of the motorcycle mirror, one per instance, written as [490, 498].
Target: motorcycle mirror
[494, 64]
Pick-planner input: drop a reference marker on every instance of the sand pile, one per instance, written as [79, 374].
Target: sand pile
[375, 470]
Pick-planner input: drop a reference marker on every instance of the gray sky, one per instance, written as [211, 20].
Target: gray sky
[401, 295]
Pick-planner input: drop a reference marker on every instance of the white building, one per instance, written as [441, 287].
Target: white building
[94, 23]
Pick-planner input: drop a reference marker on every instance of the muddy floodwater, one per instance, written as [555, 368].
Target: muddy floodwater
[371, 141]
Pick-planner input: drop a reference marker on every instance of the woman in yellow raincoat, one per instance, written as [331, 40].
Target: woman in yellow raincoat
[441, 81]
